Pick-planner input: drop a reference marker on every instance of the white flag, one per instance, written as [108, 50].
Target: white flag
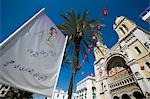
[31, 58]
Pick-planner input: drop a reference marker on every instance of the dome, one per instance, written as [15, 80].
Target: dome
[114, 26]
[119, 19]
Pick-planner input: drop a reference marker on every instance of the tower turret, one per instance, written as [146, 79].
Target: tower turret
[123, 26]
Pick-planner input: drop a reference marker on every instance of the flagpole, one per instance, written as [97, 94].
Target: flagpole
[59, 67]
[19, 29]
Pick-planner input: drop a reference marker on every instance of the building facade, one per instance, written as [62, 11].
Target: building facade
[62, 94]
[146, 15]
[123, 72]
[86, 88]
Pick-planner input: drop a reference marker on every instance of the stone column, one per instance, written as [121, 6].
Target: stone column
[106, 87]
[141, 80]
[129, 54]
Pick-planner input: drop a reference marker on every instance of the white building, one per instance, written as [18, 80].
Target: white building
[3, 90]
[62, 94]
[146, 15]
[86, 89]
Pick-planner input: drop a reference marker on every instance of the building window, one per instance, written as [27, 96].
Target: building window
[147, 45]
[125, 27]
[138, 50]
[94, 96]
[147, 66]
[137, 75]
[57, 95]
[116, 97]
[122, 30]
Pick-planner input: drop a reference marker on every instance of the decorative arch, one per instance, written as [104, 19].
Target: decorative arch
[138, 95]
[125, 27]
[120, 94]
[121, 29]
[93, 88]
[113, 54]
[125, 96]
[135, 89]
[115, 97]
[115, 58]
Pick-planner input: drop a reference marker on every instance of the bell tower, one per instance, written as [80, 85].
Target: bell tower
[123, 26]
[99, 51]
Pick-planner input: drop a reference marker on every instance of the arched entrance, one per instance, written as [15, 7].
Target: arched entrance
[122, 78]
[125, 96]
[116, 97]
[115, 64]
[138, 95]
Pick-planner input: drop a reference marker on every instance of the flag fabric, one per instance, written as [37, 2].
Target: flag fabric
[31, 58]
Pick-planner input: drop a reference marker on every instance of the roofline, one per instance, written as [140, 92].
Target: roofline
[88, 77]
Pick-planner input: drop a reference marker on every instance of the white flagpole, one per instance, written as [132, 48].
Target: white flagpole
[59, 67]
[19, 29]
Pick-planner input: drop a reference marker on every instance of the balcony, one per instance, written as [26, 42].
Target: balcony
[122, 82]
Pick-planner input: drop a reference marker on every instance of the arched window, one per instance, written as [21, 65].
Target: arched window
[125, 96]
[138, 50]
[93, 89]
[116, 97]
[147, 64]
[138, 95]
[125, 27]
[57, 95]
[147, 45]
[122, 30]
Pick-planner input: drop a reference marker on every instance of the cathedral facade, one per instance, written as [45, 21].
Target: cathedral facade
[123, 72]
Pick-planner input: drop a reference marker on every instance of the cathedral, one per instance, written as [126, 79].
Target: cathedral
[123, 72]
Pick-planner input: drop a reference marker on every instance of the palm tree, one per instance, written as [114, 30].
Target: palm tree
[14, 93]
[80, 31]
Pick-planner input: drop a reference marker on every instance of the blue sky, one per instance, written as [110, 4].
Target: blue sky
[13, 13]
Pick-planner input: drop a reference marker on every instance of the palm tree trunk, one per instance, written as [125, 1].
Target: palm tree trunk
[71, 86]
[75, 67]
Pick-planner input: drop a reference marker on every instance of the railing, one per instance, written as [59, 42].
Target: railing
[122, 82]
